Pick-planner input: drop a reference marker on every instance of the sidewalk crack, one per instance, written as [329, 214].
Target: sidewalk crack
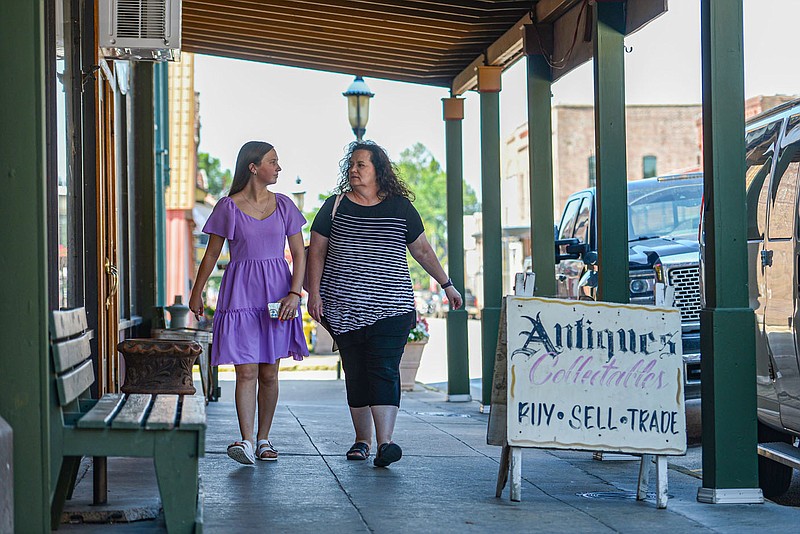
[328, 465]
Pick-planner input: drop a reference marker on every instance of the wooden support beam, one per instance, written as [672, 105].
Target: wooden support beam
[503, 52]
[467, 79]
[550, 10]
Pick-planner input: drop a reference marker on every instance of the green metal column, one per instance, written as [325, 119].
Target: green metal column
[161, 75]
[612, 183]
[144, 175]
[540, 154]
[730, 467]
[24, 389]
[457, 336]
[489, 87]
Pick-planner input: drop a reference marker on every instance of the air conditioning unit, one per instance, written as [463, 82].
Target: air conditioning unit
[140, 29]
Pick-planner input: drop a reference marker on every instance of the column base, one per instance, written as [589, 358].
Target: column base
[464, 397]
[730, 496]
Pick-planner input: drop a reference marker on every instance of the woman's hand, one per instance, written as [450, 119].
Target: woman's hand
[453, 298]
[196, 305]
[289, 307]
[314, 306]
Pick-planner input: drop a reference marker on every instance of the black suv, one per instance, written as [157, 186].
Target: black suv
[663, 222]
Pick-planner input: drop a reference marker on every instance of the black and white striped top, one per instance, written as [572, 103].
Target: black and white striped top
[366, 277]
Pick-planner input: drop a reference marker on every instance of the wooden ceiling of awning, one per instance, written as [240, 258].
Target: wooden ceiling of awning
[431, 42]
[420, 41]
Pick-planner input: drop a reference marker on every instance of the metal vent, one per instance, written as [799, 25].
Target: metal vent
[141, 19]
[686, 282]
[139, 29]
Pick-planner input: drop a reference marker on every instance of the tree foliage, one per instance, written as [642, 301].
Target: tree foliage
[426, 178]
[219, 179]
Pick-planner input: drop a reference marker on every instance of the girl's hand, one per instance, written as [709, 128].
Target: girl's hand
[196, 305]
[289, 307]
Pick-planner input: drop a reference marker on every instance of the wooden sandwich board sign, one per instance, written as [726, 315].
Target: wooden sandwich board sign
[594, 376]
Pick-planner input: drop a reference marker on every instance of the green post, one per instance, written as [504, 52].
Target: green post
[730, 467]
[458, 389]
[144, 174]
[540, 155]
[161, 111]
[612, 182]
[489, 87]
[24, 391]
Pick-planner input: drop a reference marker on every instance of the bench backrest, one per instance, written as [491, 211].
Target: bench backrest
[72, 364]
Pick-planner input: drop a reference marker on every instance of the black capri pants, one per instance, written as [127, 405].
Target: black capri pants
[371, 360]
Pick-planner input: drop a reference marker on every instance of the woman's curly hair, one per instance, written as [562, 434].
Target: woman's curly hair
[389, 181]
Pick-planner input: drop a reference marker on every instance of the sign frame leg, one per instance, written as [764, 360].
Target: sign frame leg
[516, 474]
[662, 481]
[502, 475]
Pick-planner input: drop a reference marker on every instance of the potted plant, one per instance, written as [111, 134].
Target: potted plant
[409, 364]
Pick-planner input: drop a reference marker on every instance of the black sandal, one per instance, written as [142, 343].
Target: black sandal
[388, 453]
[359, 451]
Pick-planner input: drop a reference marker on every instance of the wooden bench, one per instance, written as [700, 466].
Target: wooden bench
[168, 428]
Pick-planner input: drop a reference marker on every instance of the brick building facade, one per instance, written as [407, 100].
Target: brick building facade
[660, 140]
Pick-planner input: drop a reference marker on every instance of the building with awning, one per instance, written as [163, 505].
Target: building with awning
[119, 155]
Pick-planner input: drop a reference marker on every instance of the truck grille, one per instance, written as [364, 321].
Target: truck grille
[686, 282]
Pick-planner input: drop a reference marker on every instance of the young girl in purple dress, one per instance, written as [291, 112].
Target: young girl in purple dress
[256, 222]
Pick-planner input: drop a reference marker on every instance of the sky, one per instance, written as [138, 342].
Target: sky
[304, 115]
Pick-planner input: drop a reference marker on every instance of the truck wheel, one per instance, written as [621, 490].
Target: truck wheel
[774, 478]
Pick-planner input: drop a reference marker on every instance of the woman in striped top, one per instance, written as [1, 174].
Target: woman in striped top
[360, 286]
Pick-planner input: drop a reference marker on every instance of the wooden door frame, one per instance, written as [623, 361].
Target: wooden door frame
[107, 253]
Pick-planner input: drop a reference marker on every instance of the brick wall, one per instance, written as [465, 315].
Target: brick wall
[669, 133]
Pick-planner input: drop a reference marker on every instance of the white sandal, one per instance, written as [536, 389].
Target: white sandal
[264, 447]
[242, 452]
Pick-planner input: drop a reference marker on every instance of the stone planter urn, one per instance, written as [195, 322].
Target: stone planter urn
[409, 364]
[159, 366]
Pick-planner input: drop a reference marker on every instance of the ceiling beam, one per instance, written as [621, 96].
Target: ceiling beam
[343, 9]
[504, 51]
[508, 47]
[283, 47]
[468, 78]
[547, 11]
[357, 33]
[328, 65]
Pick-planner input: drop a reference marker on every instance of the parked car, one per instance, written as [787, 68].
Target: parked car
[440, 306]
[772, 174]
[663, 221]
[471, 305]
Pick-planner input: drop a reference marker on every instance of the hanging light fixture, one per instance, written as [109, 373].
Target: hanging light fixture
[358, 97]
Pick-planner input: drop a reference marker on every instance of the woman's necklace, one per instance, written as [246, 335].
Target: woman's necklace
[364, 200]
[259, 210]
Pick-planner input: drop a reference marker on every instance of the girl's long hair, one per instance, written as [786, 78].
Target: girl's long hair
[251, 152]
[389, 181]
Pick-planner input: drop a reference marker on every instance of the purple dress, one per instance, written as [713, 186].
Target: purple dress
[257, 274]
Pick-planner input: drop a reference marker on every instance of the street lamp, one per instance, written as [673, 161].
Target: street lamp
[358, 95]
[299, 194]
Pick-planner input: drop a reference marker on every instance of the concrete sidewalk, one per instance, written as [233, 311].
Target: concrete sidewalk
[444, 483]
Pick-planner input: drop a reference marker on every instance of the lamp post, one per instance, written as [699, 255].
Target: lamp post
[358, 96]
[299, 194]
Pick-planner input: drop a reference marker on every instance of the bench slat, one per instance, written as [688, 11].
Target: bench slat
[164, 413]
[66, 323]
[70, 353]
[102, 413]
[132, 413]
[193, 414]
[70, 385]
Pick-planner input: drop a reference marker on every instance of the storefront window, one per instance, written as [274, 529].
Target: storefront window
[65, 181]
[63, 189]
